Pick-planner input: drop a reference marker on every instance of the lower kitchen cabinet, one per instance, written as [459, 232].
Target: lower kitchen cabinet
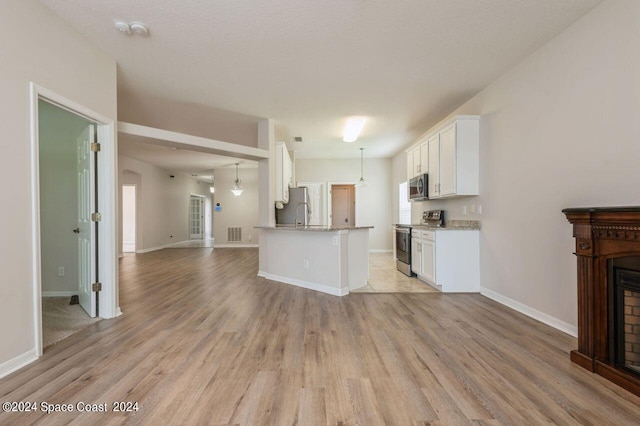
[449, 260]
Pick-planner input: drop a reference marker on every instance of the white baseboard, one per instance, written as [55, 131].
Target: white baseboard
[554, 322]
[305, 284]
[59, 293]
[147, 250]
[235, 245]
[380, 251]
[18, 362]
[118, 312]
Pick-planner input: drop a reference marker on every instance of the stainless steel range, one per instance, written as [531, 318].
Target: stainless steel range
[403, 249]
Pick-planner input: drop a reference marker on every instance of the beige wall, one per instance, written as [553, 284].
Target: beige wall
[163, 202]
[39, 47]
[59, 130]
[559, 130]
[374, 205]
[239, 211]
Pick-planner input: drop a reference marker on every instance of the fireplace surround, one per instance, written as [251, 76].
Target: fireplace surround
[608, 259]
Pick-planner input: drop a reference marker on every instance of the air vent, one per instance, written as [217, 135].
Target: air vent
[234, 235]
[298, 138]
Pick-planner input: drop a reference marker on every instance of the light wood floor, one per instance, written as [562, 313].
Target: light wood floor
[204, 341]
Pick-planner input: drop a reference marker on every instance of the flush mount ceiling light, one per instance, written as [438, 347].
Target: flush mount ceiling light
[362, 182]
[134, 27]
[237, 188]
[353, 128]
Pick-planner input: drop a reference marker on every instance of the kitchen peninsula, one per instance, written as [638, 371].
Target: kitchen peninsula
[331, 260]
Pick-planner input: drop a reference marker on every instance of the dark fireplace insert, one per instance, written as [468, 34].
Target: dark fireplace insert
[624, 321]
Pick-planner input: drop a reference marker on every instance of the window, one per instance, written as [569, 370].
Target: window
[404, 205]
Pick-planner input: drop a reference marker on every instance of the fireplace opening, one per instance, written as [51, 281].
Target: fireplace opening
[624, 318]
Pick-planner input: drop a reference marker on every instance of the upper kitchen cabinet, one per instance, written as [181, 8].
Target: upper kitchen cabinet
[283, 173]
[454, 151]
[417, 160]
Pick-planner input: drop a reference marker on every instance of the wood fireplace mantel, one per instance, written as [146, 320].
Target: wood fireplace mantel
[602, 234]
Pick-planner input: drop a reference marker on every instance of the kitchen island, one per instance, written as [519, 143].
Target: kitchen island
[331, 260]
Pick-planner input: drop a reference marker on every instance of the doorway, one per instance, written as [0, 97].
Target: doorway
[196, 217]
[343, 205]
[69, 203]
[129, 193]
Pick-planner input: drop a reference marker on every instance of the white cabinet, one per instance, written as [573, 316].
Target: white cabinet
[449, 260]
[418, 160]
[283, 173]
[428, 254]
[454, 158]
[416, 255]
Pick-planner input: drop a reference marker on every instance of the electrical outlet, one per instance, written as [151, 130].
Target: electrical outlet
[472, 208]
[249, 237]
[61, 271]
[479, 209]
[464, 209]
[306, 264]
[335, 241]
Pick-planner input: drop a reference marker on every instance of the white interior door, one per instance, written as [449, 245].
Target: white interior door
[196, 214]
[340, 206]
[86, 229]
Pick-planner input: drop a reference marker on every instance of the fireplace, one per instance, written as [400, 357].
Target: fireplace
[608, 260]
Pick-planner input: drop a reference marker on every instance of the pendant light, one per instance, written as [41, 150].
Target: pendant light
[362, 182]
[237, 188]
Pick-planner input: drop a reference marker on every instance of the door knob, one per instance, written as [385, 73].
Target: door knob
[76, 231]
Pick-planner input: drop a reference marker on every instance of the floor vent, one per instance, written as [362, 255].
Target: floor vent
[234, 235]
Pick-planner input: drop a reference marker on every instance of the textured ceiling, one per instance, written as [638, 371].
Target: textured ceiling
[310, 64]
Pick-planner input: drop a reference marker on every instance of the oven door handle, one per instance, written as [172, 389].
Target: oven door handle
[402, 231]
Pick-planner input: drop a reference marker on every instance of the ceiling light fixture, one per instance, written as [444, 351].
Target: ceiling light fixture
[134, 27]
[139, 28]
[237, 188]
[123, 27]
[353, 128]
[362, 182]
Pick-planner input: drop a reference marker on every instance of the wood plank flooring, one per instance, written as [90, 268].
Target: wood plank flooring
[204, 341]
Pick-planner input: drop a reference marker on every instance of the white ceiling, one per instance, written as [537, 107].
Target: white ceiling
[310, 64]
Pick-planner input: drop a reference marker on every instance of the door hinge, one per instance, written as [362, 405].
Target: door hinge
[96, 287]
[96, 217]
[95, 147]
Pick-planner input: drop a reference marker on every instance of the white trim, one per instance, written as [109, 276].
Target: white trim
[305, 284]
[18, 362]
[107, 163]
[147, 250]
[380, 251]
[233, 245]
[565, 327]
[118, 312]
[190, 142]
[329, 200]
[59, 293]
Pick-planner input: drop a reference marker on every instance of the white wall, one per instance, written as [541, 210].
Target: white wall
[58, 131]
[239, 211]
[37, 46]
[128, 213]
[374, 203]
[163, 202]
[561, 129]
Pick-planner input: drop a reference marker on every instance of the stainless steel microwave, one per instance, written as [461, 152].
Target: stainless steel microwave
[418, 188]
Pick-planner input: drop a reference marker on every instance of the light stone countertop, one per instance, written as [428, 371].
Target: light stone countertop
[452, 225]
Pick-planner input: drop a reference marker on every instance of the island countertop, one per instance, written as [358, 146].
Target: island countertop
[312, 228]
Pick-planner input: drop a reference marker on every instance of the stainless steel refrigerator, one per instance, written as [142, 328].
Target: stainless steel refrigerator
[297, 210]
